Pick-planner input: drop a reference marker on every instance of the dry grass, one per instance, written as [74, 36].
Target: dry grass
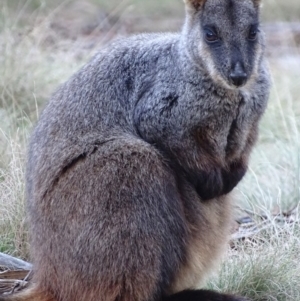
[133, 15]
[266, 268]
[30, 69]
[38, 51]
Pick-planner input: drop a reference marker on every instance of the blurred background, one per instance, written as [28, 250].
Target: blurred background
[101, 20]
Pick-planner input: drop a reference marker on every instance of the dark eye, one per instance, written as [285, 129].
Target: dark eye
[253, 33]
[210, 36]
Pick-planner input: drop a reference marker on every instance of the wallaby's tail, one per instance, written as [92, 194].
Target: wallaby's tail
[30, 294]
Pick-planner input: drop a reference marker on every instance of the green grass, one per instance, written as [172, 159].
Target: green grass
[36, 54]
[266, 274]
[265, 267]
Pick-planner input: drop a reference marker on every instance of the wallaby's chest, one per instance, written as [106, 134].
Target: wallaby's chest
[227, 127]
[185, 116]
[221, 121]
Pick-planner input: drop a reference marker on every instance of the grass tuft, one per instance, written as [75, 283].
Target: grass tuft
[266, 268]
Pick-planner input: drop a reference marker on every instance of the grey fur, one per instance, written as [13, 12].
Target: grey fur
[132, 161]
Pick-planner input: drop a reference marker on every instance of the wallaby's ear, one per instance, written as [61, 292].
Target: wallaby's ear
[195, 4]
[257, 3]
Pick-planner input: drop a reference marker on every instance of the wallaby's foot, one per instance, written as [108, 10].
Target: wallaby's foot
[203, 295]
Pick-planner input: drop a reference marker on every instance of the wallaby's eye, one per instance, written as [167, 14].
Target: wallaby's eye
[210, 36]
[253, 33]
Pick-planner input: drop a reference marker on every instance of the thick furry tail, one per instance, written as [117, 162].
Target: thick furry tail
[30, 294]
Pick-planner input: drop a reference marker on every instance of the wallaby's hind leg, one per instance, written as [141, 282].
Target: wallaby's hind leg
[202, 295]
[115, 226]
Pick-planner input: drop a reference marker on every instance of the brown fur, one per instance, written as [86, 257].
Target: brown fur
[196, 4]
[206, 245]
[257, 3]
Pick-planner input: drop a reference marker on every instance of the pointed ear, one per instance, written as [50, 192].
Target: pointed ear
[195, 4]
[257, 3]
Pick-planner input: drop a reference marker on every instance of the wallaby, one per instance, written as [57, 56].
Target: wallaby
[133, 160]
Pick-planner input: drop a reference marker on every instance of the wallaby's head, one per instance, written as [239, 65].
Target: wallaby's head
[223, 36]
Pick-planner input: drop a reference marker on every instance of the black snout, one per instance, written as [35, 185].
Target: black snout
[238, 76]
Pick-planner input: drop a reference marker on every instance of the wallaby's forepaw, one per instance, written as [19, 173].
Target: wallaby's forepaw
[232, 177]
[208, 184]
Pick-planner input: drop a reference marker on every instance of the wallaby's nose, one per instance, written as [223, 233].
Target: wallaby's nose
[238, 75]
